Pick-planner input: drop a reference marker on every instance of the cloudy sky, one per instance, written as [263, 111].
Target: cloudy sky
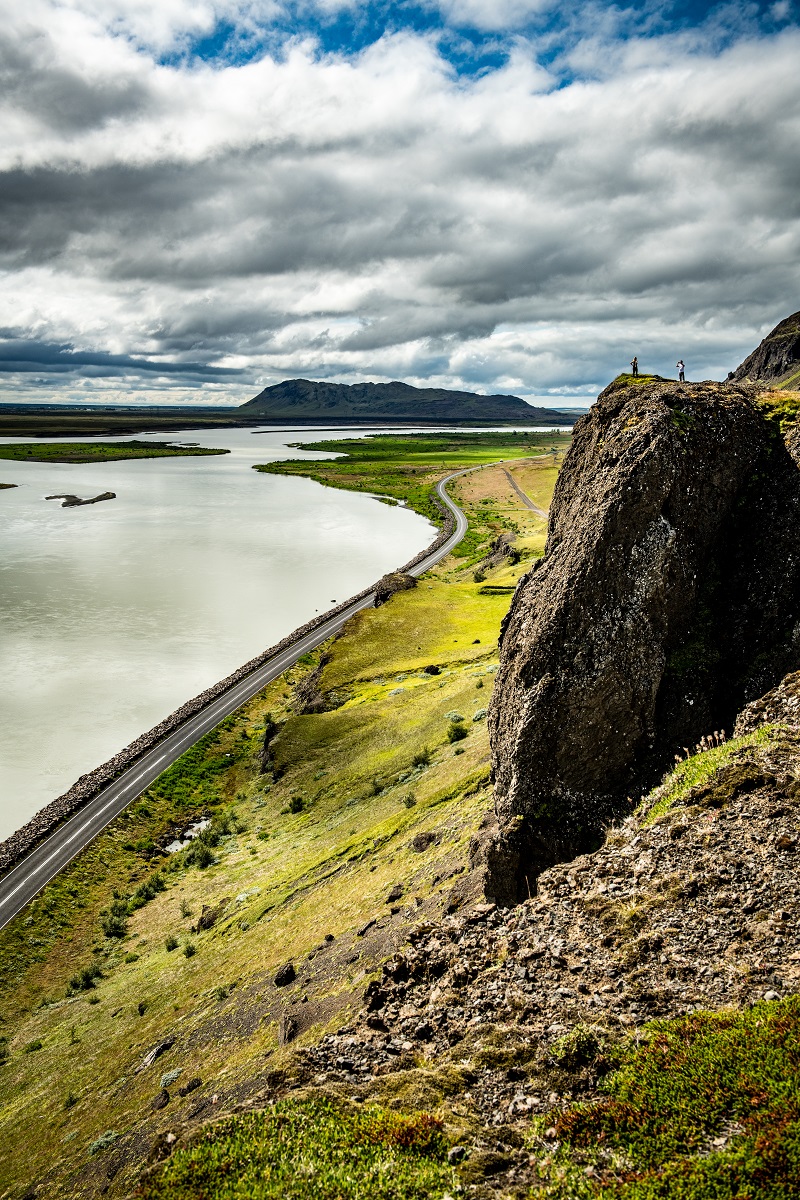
[202, 197]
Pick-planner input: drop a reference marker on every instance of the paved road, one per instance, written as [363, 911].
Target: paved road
[21, 884]
[531, 504]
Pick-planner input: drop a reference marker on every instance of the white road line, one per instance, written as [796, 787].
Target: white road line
[204, 721]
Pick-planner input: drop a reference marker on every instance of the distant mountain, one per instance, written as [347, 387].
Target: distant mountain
[304, 401]
[777, 359]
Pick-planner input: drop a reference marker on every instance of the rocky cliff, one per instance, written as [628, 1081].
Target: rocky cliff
[777, 360]
[668, 597]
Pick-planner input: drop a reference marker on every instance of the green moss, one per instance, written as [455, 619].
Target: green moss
[704, 1107]
[297, 1149]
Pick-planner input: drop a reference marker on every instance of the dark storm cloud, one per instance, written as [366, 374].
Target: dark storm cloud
[20, 355]
[380, 217]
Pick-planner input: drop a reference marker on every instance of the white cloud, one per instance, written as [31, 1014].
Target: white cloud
[380, 217]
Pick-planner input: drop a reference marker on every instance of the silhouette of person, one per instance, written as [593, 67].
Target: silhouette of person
[635, 366]
[680, 364]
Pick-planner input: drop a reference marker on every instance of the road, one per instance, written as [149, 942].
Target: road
[526, 500]
[44, 862]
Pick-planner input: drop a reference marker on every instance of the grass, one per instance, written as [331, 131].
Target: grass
[782, 406]
[704, 1107]
[699, 769]
[373, 772]
[296, 1149]
[89, 452]
[405, 467]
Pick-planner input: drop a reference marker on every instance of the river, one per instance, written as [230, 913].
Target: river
[114, 614]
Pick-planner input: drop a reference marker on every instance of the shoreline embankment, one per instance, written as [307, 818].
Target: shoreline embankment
[47, 819]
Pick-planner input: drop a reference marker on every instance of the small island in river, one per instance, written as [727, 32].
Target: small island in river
[87, 452]
[72, 501]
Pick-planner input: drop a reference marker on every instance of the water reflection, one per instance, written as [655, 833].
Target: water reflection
[113, 614]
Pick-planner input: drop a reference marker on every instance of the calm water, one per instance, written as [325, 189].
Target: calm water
[114, 614]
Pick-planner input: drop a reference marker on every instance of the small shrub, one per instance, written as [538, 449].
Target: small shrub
[479, 576]
[422, 758]
[31, 1047]
[85, 979]
[409, 800]
[189, 949]
[131, 958]
[171, 943]
[113, 925]
[103, 1142]
[480, 715]
[453, 716]
[141, 1007]
[479, 684]
[458, 750]
[186, 909]
[70, 1100]
[456, 732]
[199, 854]
[296, 804]
[148, 890]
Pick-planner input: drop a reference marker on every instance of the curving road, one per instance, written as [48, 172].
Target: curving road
[44, 862]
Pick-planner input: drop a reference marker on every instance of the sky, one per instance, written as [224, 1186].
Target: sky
[199, 198]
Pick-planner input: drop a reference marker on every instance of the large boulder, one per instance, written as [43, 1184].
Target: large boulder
[777, 360]
[668, 597]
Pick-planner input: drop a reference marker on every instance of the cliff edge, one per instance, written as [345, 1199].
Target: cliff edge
[776, 361]
[668, 598]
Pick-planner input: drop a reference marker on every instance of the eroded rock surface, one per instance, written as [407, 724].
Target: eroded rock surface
[395, 581]
[777, 359]
[668, 597]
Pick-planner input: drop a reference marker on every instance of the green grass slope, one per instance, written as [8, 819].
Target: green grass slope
[132, 950]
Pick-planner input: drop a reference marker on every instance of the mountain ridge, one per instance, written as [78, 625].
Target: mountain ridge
[312, 400]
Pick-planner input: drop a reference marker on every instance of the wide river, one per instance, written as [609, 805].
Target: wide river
[114, 614]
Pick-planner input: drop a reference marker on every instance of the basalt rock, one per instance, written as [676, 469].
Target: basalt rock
[668, 597]
[389, 585]
[777, 359]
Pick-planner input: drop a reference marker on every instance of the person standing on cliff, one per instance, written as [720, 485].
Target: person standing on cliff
[681, 365]
[635, 366]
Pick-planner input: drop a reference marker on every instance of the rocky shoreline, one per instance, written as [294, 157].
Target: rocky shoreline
[20, 843]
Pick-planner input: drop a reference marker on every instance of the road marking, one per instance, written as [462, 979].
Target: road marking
[205, 720]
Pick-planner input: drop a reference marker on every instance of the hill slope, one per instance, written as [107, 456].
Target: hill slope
[306, 401]
[777, 360]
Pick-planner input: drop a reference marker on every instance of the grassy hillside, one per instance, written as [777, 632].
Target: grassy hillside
[131, 948]
[149, 1018]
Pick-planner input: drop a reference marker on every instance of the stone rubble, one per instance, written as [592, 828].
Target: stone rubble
[693, 908]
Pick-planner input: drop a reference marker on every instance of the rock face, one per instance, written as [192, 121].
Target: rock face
[777, 359]
[396, 581]
[668, 597]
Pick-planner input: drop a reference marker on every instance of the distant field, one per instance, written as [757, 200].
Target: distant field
[86, 452]
[406, 467]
